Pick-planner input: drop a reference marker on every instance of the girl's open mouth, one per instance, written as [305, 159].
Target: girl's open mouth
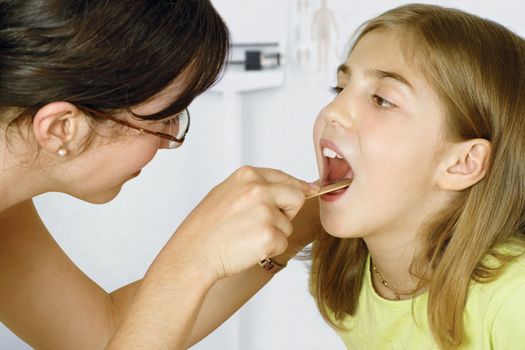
[335, 169]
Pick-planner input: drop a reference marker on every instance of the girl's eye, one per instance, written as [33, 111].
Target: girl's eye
[336, 90]
[382, 103]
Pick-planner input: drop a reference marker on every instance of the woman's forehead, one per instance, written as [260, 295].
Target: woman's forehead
[161, 100]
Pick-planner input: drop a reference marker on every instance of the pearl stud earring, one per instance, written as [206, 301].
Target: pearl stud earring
[62, 152]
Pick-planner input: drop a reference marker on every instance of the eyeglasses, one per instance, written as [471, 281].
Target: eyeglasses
[178, 127]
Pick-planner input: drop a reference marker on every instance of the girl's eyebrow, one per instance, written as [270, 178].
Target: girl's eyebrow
[344, 69]
[381, 74]
[377, 73]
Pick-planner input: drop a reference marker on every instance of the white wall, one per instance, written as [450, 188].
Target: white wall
[115, 243]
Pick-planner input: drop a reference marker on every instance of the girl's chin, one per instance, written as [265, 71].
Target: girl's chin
[339, 229]
[333, 229]
[342, 235]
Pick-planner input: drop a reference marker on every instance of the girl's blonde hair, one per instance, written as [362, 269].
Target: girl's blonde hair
[477, 67]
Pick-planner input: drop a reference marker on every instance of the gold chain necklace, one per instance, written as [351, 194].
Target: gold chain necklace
[396, 292]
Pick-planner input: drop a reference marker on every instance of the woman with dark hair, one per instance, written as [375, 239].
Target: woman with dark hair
[89, 91]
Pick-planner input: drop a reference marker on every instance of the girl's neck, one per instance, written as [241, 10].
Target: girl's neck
[393, 260]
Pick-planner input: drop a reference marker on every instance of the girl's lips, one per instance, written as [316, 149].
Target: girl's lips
[325, 178]
[333, 196]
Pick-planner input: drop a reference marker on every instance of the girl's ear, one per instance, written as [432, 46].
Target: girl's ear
[56, 127]
[465, 164]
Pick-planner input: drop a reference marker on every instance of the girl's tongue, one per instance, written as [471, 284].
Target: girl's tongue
[336, 169]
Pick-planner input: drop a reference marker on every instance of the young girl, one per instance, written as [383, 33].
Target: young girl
[425, 246]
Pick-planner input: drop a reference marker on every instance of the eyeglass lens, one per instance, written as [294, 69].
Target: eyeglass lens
[179, 125]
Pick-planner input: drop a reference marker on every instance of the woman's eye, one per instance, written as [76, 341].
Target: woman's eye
[174, 120]
[336, 90]
[382, 103]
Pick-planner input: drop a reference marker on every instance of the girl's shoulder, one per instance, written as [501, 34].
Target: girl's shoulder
[514, 270]
[511, 272]
[505, 302]
[495, 309]
[509, 284]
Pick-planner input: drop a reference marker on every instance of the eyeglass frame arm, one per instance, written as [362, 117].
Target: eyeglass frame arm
[151, 132]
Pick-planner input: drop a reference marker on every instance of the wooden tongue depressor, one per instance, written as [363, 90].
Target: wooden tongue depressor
[330, 188]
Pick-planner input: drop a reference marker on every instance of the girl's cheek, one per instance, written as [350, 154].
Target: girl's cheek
[318, 125]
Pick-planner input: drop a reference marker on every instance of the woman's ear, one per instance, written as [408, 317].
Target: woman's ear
[56, 127]
[466, 163]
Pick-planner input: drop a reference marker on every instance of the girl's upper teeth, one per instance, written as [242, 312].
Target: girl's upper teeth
[330, 153]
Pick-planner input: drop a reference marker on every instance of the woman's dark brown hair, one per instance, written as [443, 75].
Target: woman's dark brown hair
[107, 55]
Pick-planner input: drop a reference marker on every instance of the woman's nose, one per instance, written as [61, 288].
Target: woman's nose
[164, 144]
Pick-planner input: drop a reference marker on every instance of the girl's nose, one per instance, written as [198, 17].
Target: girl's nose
[337, 115]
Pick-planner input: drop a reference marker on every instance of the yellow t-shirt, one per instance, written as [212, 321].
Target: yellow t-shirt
[494, 316]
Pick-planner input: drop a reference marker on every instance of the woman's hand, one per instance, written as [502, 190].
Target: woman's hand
[243, 220]
[306, 228]
[240, 222]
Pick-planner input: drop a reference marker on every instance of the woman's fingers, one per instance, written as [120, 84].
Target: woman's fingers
[288, 198]
[282, 222]
[280, 177]
[277, 176]
[281, 189]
